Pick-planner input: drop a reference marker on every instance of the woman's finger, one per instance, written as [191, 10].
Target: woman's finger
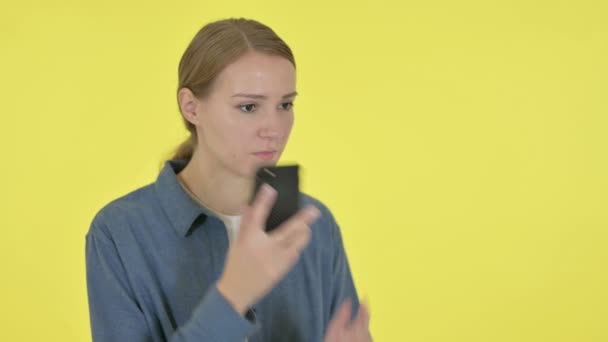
[361, 323]
[304, 217]
[261, 206]
[339, 323]
[342, 317]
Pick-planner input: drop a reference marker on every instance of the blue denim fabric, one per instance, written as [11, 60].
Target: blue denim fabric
[153, 257]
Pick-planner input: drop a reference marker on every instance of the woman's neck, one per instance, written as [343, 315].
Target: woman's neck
[218, 190]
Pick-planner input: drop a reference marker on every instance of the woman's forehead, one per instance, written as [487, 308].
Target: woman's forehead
[257, 73]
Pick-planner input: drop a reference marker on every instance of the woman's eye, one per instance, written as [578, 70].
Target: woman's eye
[287, 105]
[248, 108]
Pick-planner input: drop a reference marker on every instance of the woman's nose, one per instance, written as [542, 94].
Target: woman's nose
[269, 132]
[271, 126]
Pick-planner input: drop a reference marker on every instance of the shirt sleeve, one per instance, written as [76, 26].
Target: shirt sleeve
[116, 315]
[343, 284]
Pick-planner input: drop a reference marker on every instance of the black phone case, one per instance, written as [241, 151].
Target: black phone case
[285, 180]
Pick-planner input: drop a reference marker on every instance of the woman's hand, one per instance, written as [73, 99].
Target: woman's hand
[256, 260]
[341, 329]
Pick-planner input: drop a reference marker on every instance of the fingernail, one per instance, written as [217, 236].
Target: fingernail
[269, 190]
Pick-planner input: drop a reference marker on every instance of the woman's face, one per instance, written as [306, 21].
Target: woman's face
[246, 120]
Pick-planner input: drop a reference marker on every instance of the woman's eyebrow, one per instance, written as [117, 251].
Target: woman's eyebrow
[258, 96]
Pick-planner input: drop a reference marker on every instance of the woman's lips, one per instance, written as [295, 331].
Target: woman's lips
[266, 155]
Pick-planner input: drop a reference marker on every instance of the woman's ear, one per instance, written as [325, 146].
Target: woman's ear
[188, 104]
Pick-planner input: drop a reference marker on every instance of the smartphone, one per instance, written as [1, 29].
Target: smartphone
[286, 181]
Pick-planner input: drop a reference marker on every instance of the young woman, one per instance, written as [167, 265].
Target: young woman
[186, 258]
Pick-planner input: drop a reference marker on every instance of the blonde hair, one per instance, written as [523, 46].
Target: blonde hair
[215, 46]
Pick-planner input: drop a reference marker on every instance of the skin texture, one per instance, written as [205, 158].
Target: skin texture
[232, 130]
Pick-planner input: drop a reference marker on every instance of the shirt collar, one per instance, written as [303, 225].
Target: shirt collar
[181, 209]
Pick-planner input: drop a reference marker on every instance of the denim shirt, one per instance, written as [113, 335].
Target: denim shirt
[154, 255]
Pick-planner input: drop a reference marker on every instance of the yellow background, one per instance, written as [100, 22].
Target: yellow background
[462, 146]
